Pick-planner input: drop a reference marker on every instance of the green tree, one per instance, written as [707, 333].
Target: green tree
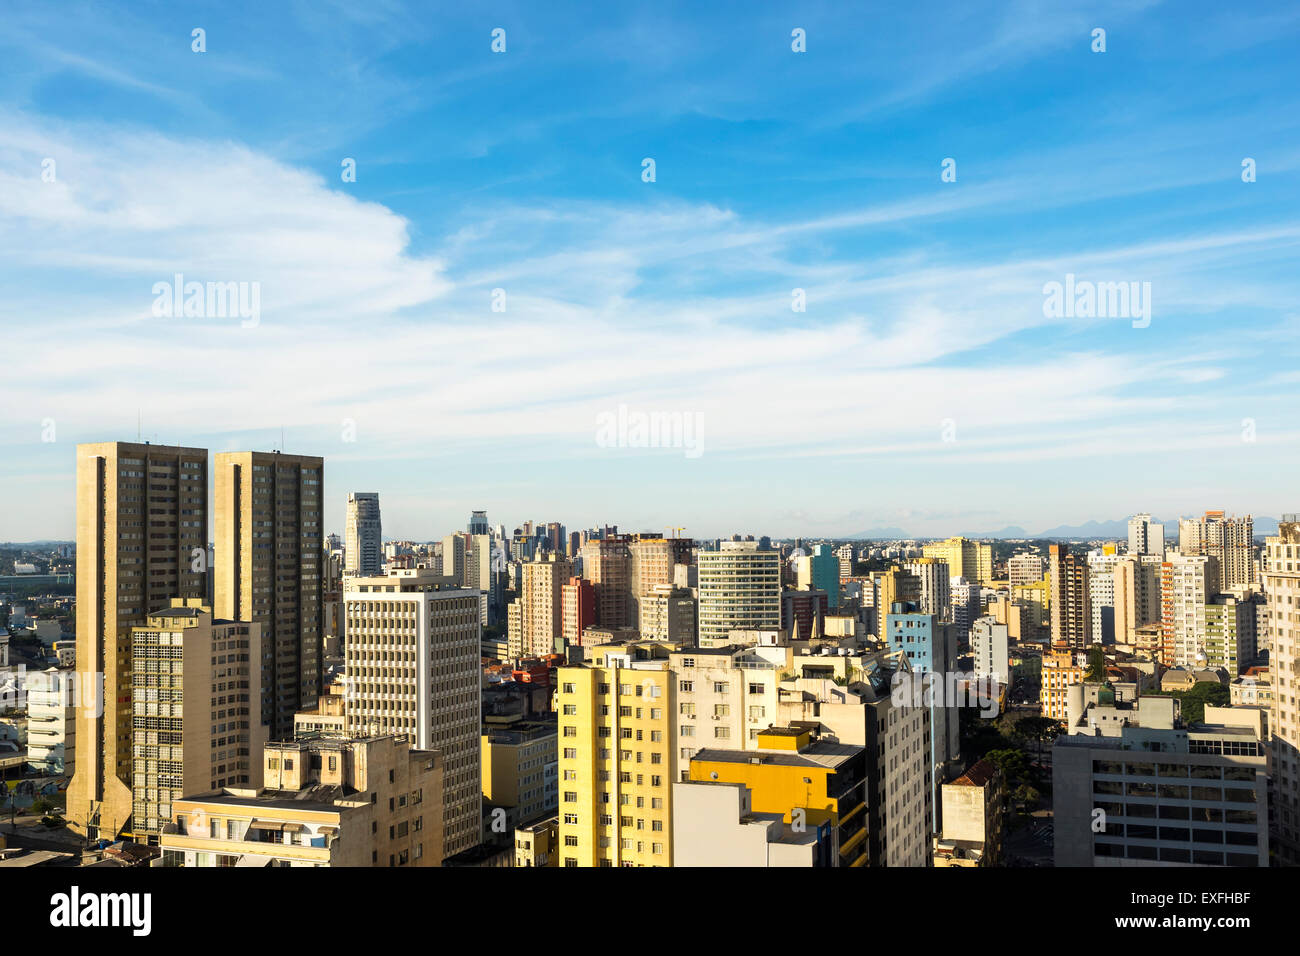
[1012, 764]
[1038, 729]
[1096, 666]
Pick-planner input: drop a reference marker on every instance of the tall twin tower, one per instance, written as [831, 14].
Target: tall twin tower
[142, 525]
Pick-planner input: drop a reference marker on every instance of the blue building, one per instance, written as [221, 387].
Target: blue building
[825, 573]
[930, 646]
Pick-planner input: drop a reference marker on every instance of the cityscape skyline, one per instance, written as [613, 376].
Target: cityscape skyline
[673, 436]
[938, 525]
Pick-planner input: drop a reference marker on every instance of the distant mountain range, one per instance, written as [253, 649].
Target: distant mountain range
[1117, 528]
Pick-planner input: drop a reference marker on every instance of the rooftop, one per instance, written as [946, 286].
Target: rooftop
[980, 774]
[821, 754]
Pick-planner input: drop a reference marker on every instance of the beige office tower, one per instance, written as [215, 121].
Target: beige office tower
[667, 613]
[1137, 595]
[1281, 579]
[1025, 569]
[453, 557]
[934, 576]
[1188, 582]
[1069, 604]
[196, 710]
[965, 558]
[268, 556]
[412, 659]
[537, 626]
[607, 563]
[478, 571]
[651, 567]
[739, 590]
[363, 549]
[894, 586]
[1230, 540]
[142, 531]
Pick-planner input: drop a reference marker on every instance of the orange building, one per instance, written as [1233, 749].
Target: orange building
[1060, 670]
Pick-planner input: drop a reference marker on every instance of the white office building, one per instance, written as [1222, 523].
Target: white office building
[412, 664]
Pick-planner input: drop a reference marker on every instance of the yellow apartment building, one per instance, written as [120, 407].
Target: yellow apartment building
[617, 762]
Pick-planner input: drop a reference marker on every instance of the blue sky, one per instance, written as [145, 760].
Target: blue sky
[775, 170]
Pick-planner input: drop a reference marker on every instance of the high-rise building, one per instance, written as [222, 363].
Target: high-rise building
[1135, 581]
[820, 571]
[1188, 582]
[617, 757]
[845, 555]
[1025, 569]
[478, 523]
[894, 586]
[965, 558]
[478, 575]
[1146, 536]
[51, 721]
[196, 710]
[1230, 640]
[1101, 593]
[607, 564]
[142, 527]
[966, 606]
[412, 658]
[936, 589]
[1061, 671]
[803, 613]
[651, 565]
[739, 589]
[1230, 540]
[725, 697]
[1070, 610]
[668, 614]
[1036, 599]
[990, 650]
[268, 556]
[364, 543]
[1281, 579]
[1168, 793]
[861, 708]
[579, 610]
[541, 607]
[519, 760]
[930, 647]
[453, 557]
